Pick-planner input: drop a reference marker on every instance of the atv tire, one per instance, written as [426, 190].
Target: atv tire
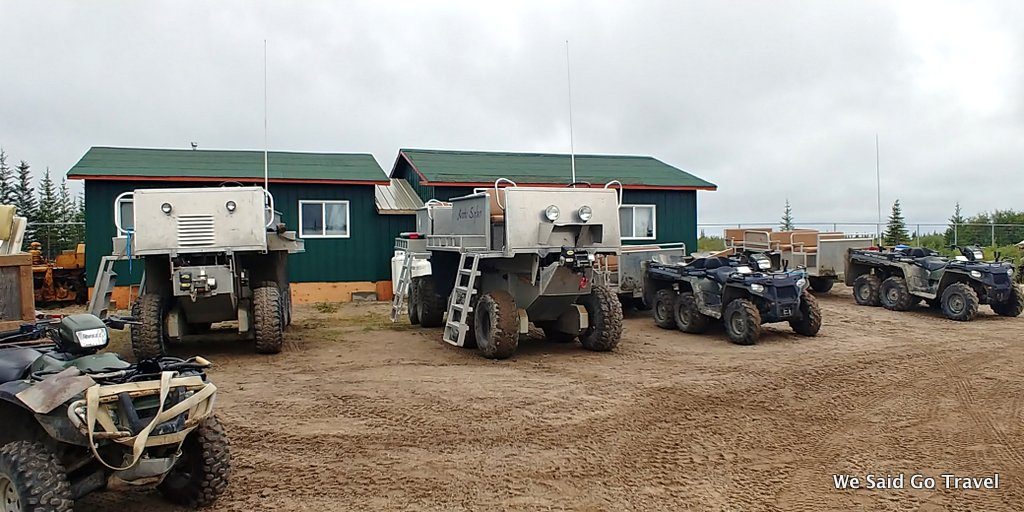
[1012, 306]
[412, 300]
[32, 479]
[959, 302]
[149, 340]
[810, 316]
[664, 308]
[268, 319]
[605, 314]
[687, 316]
[202, 473]
[895, 295]
[496, 325]
[430, 305]
[821, 284]
[866, 289]
[742, 322]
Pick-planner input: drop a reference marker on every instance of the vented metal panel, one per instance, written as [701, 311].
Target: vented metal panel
[196, 231]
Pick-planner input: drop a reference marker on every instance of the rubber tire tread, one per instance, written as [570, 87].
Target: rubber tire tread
[605, 314]
[38, 475]
[209, 445]
[268, 319]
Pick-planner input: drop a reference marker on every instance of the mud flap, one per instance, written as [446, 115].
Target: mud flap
[54, 390]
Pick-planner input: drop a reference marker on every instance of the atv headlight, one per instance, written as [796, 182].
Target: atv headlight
[801, 283]
[975, 274]
[89, 338]
[1009, 271]
[585, 213]
[764, 264]
[552, 212]
[757, 288]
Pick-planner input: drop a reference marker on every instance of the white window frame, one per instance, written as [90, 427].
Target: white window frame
[654, 222]
[323, 212]
[117, 213]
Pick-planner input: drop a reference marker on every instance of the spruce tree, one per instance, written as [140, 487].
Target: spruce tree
[956, 226]
[896, 229]
[6, 180]
[25, 199]
[787, 218]
[48, 216]
[66, 235]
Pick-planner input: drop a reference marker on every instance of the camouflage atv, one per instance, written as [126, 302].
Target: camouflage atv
[691, 296]
[78, 421]
[899, 279]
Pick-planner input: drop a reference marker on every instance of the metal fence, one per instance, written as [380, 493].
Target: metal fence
[55, 236]
[991, 235]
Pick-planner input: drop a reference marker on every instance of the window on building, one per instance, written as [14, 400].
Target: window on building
[637, 222]
[323, 219]
[125, 211]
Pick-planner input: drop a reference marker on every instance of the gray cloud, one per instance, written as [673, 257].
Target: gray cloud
[767, 99]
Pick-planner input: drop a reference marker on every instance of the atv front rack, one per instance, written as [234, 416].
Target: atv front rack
[107, 413]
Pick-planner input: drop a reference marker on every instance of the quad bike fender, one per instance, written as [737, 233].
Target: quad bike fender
[21, 423]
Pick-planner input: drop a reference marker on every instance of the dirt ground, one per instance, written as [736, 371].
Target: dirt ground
[358, 414]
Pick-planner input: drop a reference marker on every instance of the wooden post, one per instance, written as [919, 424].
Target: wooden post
[17, 302]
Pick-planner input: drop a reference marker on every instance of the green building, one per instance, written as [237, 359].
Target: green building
[349, 211]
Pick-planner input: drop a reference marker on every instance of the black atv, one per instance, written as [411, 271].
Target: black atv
[900, 278]
[690, 296]
[76, 420]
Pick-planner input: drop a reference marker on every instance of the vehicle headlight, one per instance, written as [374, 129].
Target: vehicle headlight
[764, 264]
[1009, 271]
[975, 274]
[552, 212]
[757, 288]
[89, 338]
[166, 208]
[801, 283]
[585, 213]
[231, 206]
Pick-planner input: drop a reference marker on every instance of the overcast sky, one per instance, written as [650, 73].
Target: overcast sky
[768, 100]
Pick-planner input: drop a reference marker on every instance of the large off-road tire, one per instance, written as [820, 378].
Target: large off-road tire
[431, 305]
[810, 316]
[821, 284]
[959, 302]
[895, 295]
[412, 300]
[204, 469]
[605, 314]
[286, 294]
[1012, 306]
[496, 325]
[664, 308]
[687, 317]
[866, 290]
[552, 334]
[742, 322]
[268, 319]
[32, 479]
[149, 339]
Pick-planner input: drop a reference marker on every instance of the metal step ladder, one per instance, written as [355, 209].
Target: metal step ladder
[102, 291]
[404, 281]
[459, 304]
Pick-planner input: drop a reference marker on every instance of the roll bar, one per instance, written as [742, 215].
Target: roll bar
[497, 196]
[619, 183]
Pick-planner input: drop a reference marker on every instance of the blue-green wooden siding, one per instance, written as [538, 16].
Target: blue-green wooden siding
[676, 210]
[364, 256]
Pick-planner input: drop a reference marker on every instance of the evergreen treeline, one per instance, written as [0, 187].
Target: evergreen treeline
[56, 219]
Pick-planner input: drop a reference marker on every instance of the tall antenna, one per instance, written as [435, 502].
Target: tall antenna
[568, 76]
[878, 185]
[266, 167]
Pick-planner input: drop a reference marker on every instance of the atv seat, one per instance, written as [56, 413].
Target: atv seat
[15, 361]
[931, 262]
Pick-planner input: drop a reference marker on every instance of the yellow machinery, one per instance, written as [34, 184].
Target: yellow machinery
[60, 280]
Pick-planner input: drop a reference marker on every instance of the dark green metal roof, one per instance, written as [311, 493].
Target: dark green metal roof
[480, 168]
[219, 165]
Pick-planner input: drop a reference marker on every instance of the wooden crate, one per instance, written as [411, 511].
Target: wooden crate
[17, 302]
